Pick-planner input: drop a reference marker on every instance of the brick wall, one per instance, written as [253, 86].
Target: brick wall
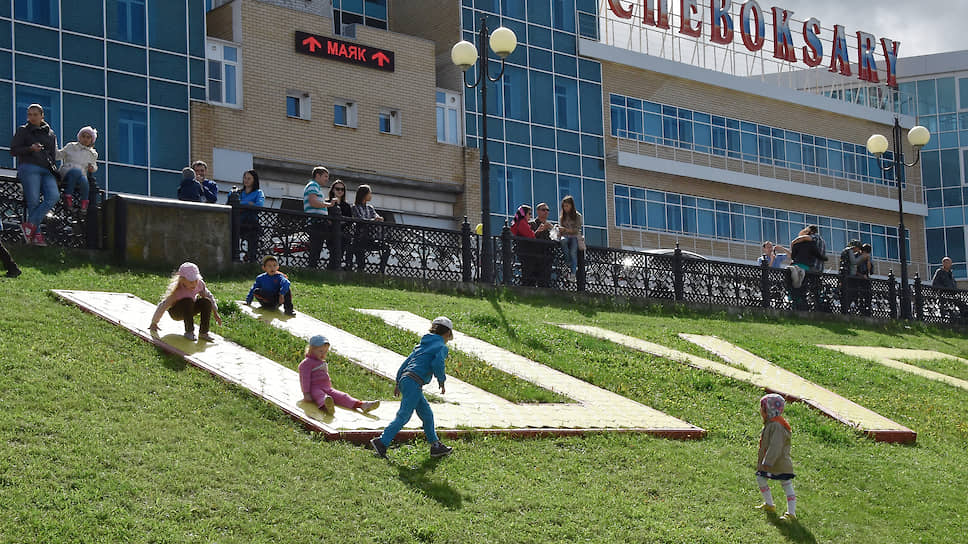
[271, 67]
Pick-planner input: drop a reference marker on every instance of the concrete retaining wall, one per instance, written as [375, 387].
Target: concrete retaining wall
[166, 231]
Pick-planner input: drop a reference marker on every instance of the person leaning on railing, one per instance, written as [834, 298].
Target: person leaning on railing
[542, 232]
[342, 230]
[249, 230]
[314, 202]
[944, 279]
[367, 236]
[774, 255]
[521, 227]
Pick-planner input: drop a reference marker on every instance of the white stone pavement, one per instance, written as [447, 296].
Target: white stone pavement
[466, 407]
[889, 357]
[762, 373]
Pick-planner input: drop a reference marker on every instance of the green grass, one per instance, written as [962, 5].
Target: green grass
[103, 438]
[955, 369]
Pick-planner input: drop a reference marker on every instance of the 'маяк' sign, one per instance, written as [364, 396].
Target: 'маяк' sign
[752, 30]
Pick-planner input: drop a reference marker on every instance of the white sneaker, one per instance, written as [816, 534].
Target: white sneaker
[369, 406]
[190, 335]
[207, 337]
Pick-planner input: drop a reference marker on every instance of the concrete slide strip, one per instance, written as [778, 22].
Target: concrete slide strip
[774, 378]
[889, 357]
[233, 363]
[762, 373]
[595, 407]
[476, 411]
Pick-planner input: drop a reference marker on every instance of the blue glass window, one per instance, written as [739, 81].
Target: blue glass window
[566, 103]
[126, 21]
[127, 87]
[167, 66]
[539, 13]
[83, 79]
[36, 40]
[126, 58]
[128, 137]
[49, 100]
[169, 95]
[83, 50]
[80, 111]
[168, 29]
[515, 83]
[41, 12]
[169, 139]
[542, 109]
[37, 71]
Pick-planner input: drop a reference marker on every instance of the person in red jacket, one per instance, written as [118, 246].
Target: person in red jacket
[521, 227]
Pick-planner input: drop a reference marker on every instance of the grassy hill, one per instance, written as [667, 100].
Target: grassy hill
[103, 438]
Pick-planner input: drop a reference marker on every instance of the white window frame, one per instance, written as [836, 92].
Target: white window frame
[215, 52]
[352, 116]
[305, 104]
[393, 116]
[452, 103]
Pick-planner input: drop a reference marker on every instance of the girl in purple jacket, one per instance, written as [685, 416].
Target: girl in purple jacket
[317, 386]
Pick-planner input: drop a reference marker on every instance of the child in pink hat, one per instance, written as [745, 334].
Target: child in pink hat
[186, 297]
[773, 460]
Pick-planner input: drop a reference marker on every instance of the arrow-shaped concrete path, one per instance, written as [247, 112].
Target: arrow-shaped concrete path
[468, 409]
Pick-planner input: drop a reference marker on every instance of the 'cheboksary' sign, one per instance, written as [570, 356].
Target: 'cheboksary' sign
[752, 31]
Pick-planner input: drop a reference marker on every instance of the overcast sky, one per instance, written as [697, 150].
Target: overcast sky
[922, 27]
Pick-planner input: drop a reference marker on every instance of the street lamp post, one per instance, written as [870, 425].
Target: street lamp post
[464, 54]
[918, 137]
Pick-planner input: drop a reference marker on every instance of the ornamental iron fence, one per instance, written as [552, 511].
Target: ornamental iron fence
[304, 240]
[62, 226]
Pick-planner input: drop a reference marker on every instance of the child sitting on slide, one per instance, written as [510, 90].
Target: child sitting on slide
[271, 288]
[317, 386]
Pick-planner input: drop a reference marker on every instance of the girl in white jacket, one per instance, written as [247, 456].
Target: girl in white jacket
[78, 159]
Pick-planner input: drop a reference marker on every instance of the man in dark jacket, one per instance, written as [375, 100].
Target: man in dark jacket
[34, 145]
[944, 278]
[543, 256]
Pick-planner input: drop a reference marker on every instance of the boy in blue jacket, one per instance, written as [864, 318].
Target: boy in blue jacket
[272, 287]
[426, 360]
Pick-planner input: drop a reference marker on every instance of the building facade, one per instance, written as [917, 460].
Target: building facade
[129, 68]
[937, 91]
[659, 151]
[291, 109]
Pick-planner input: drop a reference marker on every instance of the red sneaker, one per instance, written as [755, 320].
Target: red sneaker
[28, 231]
[39, 239]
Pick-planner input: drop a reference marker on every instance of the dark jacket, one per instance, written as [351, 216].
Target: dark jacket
[190, 190]
[944, 279]
[26, 136]
[209, 191]
[805, 253]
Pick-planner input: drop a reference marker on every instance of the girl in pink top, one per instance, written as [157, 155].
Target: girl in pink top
[185, 298]
[316, 385]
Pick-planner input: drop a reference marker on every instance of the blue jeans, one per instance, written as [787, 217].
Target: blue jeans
[411, 398]
[34, 179]
[570, 245]
[75, 177]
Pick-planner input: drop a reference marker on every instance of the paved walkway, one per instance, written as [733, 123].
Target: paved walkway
[467, 409]
[762, 373]
[889, 357]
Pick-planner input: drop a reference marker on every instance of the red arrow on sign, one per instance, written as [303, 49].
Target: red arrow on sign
[313, 44]
[380, 58]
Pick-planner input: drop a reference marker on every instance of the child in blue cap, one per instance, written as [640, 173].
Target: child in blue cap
[426, 360]
[316, 385]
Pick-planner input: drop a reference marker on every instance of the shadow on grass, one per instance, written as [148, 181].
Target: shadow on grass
[793, 531]
[418, 479]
